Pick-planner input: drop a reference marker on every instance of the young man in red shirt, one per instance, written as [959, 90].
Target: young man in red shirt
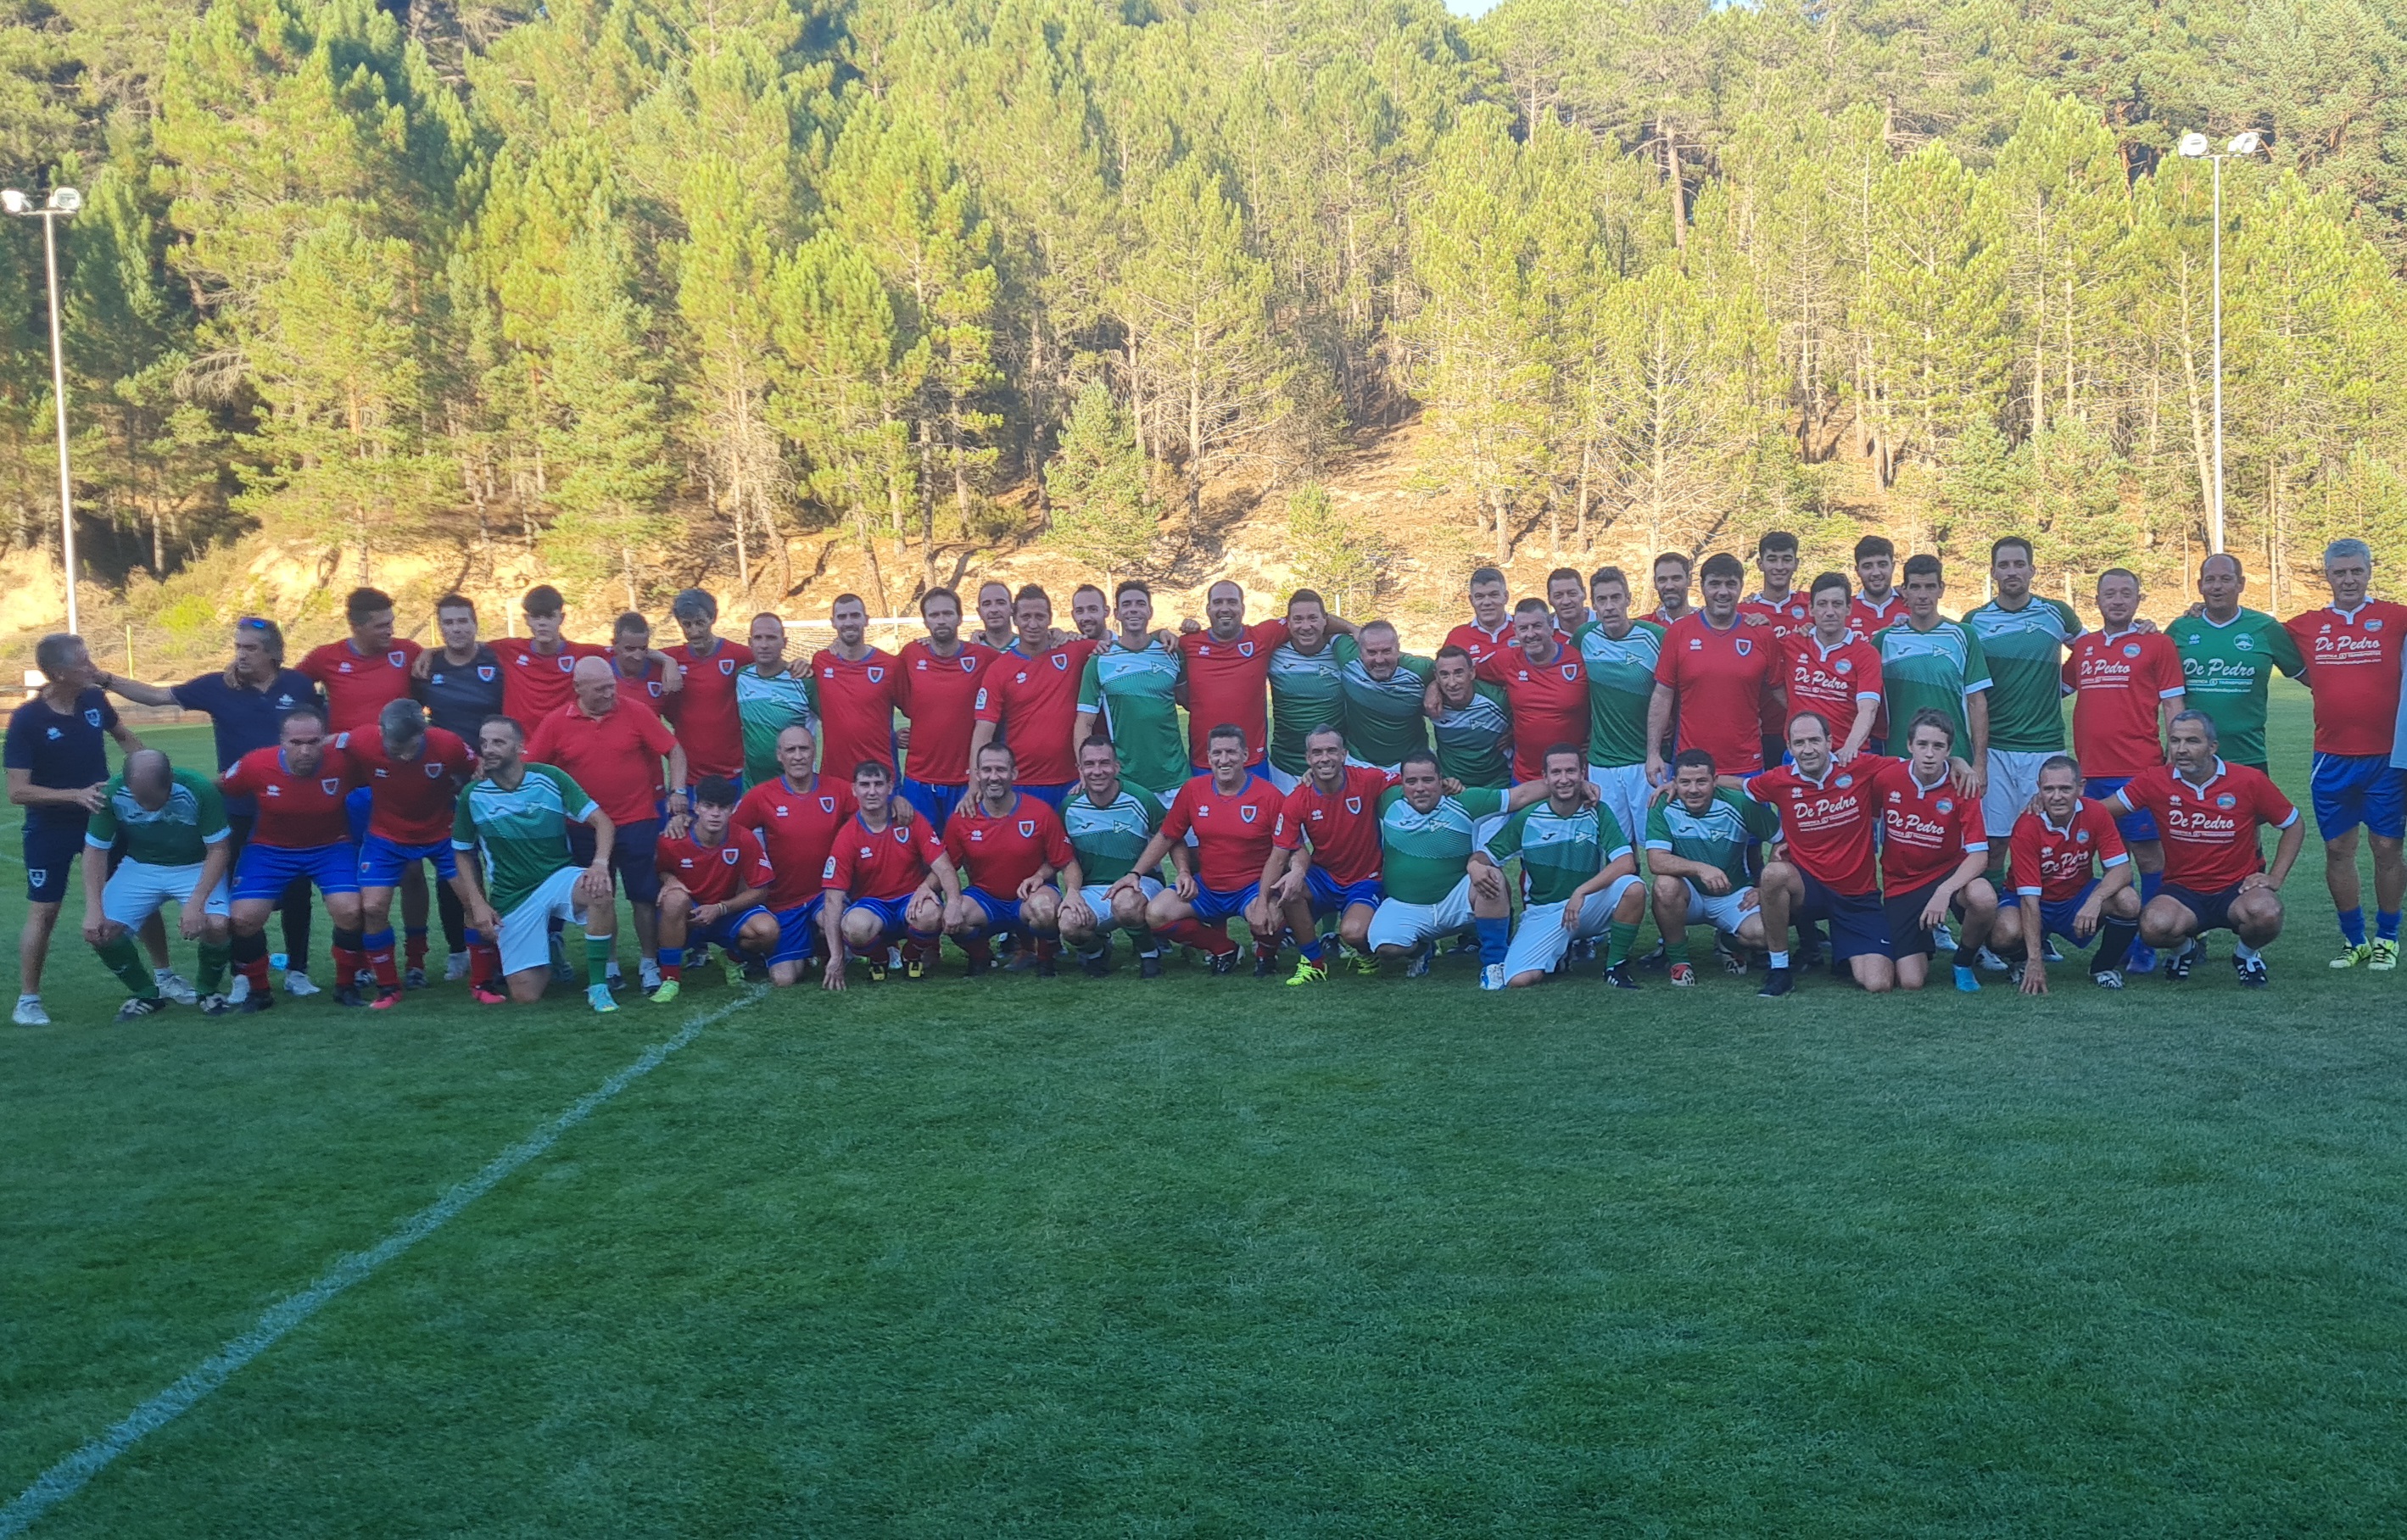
[942, 673]
[2055, 847]
[1546, 690]
[1785, 610]
[714, 881]
[1879, 605]
[303, 831]
[1934, 849]
[414, 774]
[1008, 847]
[2215, 876]
[361, 674]
[2127, 682]
[1325, 854]
[535, 667]
[796, 814]
[2352, 649]
[1827, 813]
[612, 745]
[1030, 696]
[855, 691]
[1490, 630]
[1831, 669]
[703, 711]
[887, 877]
[1715, 671]
[1233, 815]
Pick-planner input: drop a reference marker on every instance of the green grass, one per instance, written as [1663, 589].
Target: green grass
[1220, 1258]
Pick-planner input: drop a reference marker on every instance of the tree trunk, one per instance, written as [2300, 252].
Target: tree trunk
[1670, 137]
[869, 556]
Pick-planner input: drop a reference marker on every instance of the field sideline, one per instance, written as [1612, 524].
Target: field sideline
[1216, 1257]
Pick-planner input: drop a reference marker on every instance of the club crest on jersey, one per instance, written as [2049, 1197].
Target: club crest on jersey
[1571, 672]
[92, 715]
[1247, 812]
[485, 672]
[1028, 828]
[434, 771]
[1744, 646]
[1245, 650]
[2081, 836]
[2245, 644]
[727, 855]
[1842, 665]
[2130, 650]
[568, 663]
[1844, 782]
[827, 804]
[969, 665]
[396, 657]
[876, 674]
[1945, 805]
[727, 667]
[2374, 624]
[652, 686]
[2226, 802]
[1353, 805]
[331, 785]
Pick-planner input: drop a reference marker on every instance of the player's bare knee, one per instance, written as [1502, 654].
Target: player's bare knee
[1632, 909]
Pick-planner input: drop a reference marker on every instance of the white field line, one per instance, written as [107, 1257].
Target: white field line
[68, 1476]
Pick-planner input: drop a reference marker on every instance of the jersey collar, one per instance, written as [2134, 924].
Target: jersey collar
[2200, 786]
[2131, 630]
[1881, 606]
[2350, 615]
[2071, 819]
[787, 781]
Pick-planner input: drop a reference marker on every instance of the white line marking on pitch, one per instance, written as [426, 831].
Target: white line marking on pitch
[67, 1477]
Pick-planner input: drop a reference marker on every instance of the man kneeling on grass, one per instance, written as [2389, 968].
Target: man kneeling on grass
[713, 881]
[176, 852]
[514, 821]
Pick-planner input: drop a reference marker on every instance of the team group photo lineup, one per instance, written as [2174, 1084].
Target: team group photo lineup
[1779, 770]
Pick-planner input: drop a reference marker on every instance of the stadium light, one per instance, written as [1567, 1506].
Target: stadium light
[2197, 147]
[62, 203]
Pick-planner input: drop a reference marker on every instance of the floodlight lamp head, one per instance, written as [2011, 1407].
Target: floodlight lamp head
[2247, 144]
[2193, 146]
[13, 201]
[66, 200]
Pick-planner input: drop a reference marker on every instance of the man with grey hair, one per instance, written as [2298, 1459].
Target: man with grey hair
[709, 720]
[57, 759]
[2352, 651]
[177, 852]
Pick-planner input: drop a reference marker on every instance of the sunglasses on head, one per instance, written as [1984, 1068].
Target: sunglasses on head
[253, 623]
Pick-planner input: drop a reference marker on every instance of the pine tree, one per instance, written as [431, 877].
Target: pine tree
[1103, 512]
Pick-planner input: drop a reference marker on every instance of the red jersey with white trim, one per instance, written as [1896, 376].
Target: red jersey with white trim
[713, 874]
[1230, 682]
[412, 802]
[996, 853]
[295, 812]
[1482, 645]
[1718, 679]
[1035, 702]
[1925, 830]
[535, 684]
[856, 702]
[1833, 681]
[889, 863]
[2117, 681]
[1548, 703]
[1234, 829]
[1872, 619]
[2210, 830]
[1828, 823]
[940, 696]
[2053, 864]
[1789, 617]
[1343, 826]
[2353, 666]
[704, 710]
[797, 827]
[358, 685]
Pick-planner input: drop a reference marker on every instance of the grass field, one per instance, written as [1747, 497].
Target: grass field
[1211, 1257]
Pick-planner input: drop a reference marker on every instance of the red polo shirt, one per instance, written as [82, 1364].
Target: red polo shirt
[616, 756]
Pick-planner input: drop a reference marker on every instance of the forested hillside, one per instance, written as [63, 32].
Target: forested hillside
[655, 289]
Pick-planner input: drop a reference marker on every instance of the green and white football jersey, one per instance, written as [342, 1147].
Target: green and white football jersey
[2025, 650]
[520, 833]
[766, 707]
[1307, 693]
[1136, 691]
[1558, 852]
[2227, 668]
[1109, 838]
[1932, 670]
[1474, 741]
[1423, 855]
[1620, 687]
[1384, 721]
[1718, 836]
[177, 833]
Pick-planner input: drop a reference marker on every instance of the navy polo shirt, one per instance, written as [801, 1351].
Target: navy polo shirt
[65, 750]
[246, 718]
[459, 696]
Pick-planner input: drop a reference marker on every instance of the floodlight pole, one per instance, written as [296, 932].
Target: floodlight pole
[59, 395]
[2215, 529]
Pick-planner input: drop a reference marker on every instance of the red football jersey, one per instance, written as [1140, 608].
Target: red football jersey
[2117, 682]
[644, 684]
[2210, 830]
[1035, 702]
[889, 863]
[1828, 823]
[359, 686]
[295, 812]
[2353, 665]
[1230, 682]
[1872, 619]
[856, 703]
[1782, 621]
[535, 684]
[1481, 645]
[1548, 703]
[1233, 831]
[1833, 681]
[998, 853]
[713, 874]
[616, 756]
[2054, 864]
[1343, 826]
[1925, 831]
[797, 827]
[703, 711]
[1718, 679]
[412, 800]
[940, 696]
